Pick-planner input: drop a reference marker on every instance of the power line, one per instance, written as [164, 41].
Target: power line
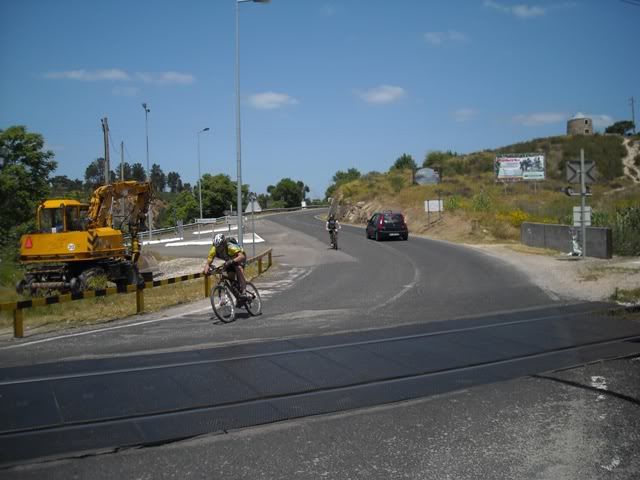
[126, 150]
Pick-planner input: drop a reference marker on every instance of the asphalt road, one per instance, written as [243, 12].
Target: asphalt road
[313, 290]
[342, 331]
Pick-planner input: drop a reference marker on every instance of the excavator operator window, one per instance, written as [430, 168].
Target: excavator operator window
[52, 220]
[72, 219]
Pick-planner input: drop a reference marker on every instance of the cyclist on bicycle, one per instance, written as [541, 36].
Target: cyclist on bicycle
[233, 256]
[332, 227]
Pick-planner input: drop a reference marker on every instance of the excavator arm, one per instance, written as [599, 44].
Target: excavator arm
[102, 201]
[100, 213]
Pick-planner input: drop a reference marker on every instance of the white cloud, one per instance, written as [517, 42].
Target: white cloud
[115, 74]
[382, 94]
[328, 10]
[464, 114]
[90, 76]
[271, 100]
[438, 38]
[520, 11]
[166, 78]
[537, 119]
[600, 120]
[127, 91]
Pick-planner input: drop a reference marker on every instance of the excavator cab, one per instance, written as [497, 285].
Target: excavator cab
[57, 216]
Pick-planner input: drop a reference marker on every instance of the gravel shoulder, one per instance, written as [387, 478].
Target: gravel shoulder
[568, 278]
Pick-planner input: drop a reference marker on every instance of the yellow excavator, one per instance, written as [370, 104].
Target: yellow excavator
[76, 242]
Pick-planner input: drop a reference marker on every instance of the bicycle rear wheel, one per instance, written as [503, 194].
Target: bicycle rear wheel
[253, 303]
[222, 303]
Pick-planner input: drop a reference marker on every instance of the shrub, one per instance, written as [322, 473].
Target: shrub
[514, 217]
[481, 202]
[626, 231]
[397, 182]
[452, 203]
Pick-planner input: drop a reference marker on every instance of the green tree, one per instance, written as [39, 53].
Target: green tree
[173, 181]
[264, 200]
[303, 188]
[158, 178]
[186, 206]
[621, 128]
[138, 172]
[24, 177]
[126, 169]
[218, 192]
[94, 174]
[289, 192]
[61, 185]
[348, 176]
[404, 162]
[340, 178]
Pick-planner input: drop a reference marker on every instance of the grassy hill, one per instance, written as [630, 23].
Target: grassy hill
[477, 209]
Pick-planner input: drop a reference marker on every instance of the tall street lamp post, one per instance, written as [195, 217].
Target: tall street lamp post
[146, 130]
[238, 142]
[206, 129]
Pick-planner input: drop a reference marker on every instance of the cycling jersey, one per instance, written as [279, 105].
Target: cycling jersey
[223, 253]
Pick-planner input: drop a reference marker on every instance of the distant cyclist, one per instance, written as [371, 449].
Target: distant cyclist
[233, 256]
[332, 227]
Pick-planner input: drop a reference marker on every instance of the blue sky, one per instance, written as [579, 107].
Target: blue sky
[325, 86]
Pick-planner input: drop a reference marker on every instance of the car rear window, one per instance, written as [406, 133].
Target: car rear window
[393, 218]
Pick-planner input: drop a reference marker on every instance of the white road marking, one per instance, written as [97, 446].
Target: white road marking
[248, 238]
[296, 274]
[102, 330]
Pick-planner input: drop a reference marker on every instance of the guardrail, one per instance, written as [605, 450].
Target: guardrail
[19, 306]
[224, 220]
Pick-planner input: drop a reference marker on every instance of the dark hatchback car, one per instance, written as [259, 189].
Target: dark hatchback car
[387, 225]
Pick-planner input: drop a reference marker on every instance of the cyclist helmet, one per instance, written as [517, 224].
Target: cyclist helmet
[218, 240]
[331, 216]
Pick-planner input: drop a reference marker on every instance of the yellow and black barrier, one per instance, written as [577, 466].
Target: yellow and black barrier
[21, 305]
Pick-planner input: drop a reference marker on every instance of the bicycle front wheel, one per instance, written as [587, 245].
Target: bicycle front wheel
[222, 303]
[253, 303]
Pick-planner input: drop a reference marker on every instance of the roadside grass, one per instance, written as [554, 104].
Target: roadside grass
[600, 271]
[93, 311]
[494, 212]
[626, 296]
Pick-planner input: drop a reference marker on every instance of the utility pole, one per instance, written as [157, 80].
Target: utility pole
[122, 161]
[146, 131]
[122, 178]
[107, 166]
[583, 204]
[632, 102]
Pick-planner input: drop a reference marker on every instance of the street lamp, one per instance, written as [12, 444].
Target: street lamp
[206, 129]
[146, 130]
[238, 142]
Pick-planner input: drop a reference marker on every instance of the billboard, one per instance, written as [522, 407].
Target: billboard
[427, 176]
[519, 166]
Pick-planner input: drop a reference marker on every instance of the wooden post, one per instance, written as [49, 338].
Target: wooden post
[260, 266]
[18, 323]
[139, 300]
[269, 264]
[207, 285]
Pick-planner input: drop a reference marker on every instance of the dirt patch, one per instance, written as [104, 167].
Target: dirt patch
[567, 278]
[179, 266]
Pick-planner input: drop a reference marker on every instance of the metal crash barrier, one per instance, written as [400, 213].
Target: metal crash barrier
[18, 307]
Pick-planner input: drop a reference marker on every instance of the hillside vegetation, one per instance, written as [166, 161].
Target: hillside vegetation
[477, 209]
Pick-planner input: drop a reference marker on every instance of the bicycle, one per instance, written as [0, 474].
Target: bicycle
[333, 235]
[225, 296]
